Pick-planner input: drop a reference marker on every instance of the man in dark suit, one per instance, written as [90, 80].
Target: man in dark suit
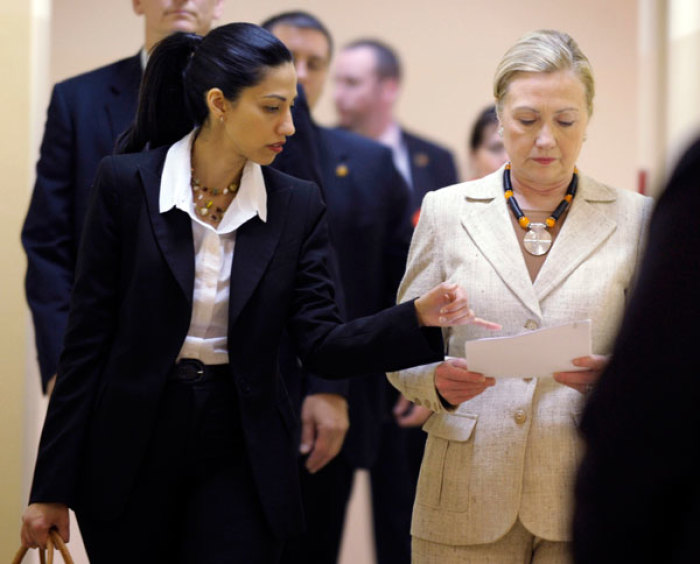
[367, 87]
[369, 210]
[85, 116]
[637, 494]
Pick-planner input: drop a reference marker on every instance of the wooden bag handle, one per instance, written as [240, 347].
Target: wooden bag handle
[54, 540]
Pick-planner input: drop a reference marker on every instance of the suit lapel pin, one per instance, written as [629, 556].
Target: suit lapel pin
[421, 159]
[341, 170]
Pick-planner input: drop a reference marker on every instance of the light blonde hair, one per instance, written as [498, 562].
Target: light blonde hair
[543, 51]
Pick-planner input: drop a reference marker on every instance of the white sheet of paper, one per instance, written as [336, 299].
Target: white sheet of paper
[534, 354]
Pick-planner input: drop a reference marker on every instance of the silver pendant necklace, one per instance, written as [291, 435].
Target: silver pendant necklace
[537, 240]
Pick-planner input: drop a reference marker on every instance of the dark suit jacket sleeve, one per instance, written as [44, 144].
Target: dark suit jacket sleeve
[47, 236]
[637, 495]
[383, 342]
[394, 238]
[91, 327]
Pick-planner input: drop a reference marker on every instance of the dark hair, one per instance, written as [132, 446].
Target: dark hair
[302, 20]
[184, 67]
[486, 117]
[388, 64]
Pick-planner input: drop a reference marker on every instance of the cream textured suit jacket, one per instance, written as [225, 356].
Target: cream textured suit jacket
[512, 451]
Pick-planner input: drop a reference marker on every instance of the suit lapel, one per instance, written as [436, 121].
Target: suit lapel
[256, 242]
[122, 96]
[418, 163]
[172, 229]
[584, 230]
[485, 219]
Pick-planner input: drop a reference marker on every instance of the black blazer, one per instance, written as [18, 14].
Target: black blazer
[85, 116]
[432, 167]
[637, 493]
[130, 312]
[369, 209]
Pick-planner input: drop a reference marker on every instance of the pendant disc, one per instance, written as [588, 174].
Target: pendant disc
[537, 240]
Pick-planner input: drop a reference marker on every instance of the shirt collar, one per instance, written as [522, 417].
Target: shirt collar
[175, 190]
[392, 136]
[143, 54]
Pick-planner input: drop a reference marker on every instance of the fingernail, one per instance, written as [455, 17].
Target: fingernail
[442, 319]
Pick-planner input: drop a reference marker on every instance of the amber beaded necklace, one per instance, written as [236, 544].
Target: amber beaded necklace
[537, 240]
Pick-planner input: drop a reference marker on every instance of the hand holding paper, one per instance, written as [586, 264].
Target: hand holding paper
[456, 383]
[583, 380]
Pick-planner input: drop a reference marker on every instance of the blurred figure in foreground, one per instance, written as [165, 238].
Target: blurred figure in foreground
[637, 495]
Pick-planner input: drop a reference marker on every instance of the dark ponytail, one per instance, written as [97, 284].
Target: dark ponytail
[162, 116]
[184, 67]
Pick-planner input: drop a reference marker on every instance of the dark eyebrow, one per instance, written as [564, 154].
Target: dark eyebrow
[277, 97]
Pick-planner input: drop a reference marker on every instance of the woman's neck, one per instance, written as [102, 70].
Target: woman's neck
[542, 198]
[214, 165]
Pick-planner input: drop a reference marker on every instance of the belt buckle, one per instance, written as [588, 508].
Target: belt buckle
[190, 369]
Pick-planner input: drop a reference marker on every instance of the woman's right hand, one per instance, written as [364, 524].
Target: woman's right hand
[456, 384]
[446, 305]
[39, 518]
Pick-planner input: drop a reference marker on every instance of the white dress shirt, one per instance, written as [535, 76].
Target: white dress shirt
[207, 337]
[393, 138]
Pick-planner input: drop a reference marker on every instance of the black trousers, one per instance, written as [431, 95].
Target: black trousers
[393, 476]
[194, 500]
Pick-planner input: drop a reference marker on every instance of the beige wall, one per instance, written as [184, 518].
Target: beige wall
[683, 78]
[23, 60]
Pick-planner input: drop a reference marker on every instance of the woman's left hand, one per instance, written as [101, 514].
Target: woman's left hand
[446, 305]
[583, 380]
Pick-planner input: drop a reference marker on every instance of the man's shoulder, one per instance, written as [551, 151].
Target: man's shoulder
[419, 143]
[342, 140]
[102, 75]
[276, 180]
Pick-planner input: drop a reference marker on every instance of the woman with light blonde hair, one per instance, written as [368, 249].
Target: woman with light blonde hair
[537, 244]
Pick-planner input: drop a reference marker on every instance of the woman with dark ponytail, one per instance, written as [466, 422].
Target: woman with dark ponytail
[170, 432]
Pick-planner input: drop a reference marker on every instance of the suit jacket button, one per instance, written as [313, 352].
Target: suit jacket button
[520, 416]
[531, 324]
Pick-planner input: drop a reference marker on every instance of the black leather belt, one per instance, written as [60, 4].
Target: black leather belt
[192, 370]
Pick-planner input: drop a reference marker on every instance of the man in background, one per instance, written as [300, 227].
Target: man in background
[367, 78]
[86, 114]
[369, 208]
